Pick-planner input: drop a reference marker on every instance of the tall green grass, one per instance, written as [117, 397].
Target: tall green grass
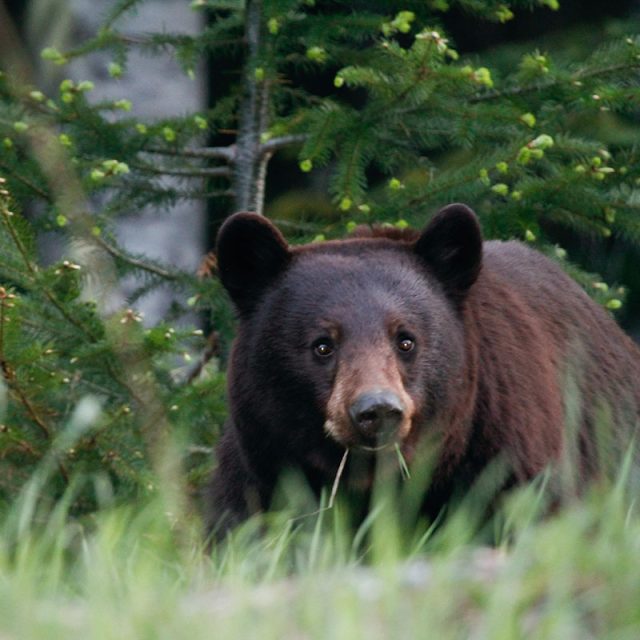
[135, 572]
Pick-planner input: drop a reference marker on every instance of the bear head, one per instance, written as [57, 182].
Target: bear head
[356, 343]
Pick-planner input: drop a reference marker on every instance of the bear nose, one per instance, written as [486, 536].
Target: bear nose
[376, 416]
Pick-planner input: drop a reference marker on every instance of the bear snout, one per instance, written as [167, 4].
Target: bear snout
[376, 417]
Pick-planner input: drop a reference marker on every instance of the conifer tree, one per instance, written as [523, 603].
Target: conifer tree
[376, 94]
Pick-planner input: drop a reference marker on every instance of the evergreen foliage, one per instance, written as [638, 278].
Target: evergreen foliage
[375, 94]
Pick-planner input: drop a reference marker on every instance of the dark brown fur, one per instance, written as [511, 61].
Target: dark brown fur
[510, 358]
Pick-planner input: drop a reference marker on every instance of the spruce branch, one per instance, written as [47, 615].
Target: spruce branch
[10, 378]
[32, 269]
[22, 250]
[134, 262]
[22, 444]
[579, 76]
[121, 8]
[26, 403]
[451, 180]
[352, 170]
[69, 196]
[26, 182]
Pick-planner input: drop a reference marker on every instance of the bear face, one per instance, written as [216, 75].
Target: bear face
[356, 341]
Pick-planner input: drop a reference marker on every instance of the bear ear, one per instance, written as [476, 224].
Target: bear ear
[251, 253]
[451, 246]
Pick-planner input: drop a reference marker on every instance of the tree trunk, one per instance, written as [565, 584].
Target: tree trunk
[250, 163]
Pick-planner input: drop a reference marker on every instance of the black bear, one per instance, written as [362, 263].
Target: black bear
[382, 339]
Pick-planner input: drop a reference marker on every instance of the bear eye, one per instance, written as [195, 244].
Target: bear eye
[323, 347]
[405, 343]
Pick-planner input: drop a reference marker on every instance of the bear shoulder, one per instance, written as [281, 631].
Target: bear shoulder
[523, 265]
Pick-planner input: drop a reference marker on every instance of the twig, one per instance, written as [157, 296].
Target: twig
[187, 173]
[42, 425]
[186, 195]
[273, 145]
[116, 253]
[27, 183]
[222, 153]
[212, 350]
[205, 195]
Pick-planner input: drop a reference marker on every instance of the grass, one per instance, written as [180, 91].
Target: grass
[132, 572]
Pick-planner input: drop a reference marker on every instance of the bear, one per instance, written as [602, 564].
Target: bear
[482, 349]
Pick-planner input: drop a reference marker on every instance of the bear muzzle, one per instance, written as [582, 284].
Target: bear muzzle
[369, 407]
[376, 417]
